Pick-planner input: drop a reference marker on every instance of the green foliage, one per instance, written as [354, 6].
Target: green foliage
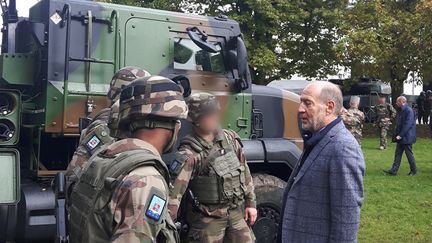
[386, 40]
[396, 209]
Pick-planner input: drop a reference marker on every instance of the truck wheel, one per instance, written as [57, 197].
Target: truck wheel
[269, 191]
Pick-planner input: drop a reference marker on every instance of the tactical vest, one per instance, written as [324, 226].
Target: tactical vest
[220, 179]
[91, 218]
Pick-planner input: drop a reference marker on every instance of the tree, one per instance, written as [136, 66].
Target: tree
[385, 40]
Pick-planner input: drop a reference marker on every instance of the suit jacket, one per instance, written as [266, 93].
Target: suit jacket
[323, 198]
[406, 126]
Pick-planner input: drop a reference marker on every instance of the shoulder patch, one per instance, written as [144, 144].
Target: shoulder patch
[177, 164]
[155, 207]
[93, 143]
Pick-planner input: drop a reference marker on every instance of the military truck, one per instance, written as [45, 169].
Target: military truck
[368, 89]
[55, 69]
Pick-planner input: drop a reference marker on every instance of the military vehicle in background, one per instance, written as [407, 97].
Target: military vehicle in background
[55, 69]
[369, 90]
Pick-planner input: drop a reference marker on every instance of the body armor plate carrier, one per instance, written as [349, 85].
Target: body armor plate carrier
[91, 218]
[225, 180]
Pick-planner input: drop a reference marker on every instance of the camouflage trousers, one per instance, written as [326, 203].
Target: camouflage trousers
[383, 135]
[230, 229]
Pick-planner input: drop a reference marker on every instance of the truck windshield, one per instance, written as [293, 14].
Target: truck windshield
[188, 56]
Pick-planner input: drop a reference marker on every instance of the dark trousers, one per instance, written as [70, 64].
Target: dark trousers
[400, 148]
[423, 117]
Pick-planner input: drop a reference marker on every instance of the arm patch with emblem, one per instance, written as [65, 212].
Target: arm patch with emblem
[96, 138]
[155, 207]
[177, 164]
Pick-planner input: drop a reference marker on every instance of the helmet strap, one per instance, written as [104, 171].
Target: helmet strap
[170, 146]
[171, 125]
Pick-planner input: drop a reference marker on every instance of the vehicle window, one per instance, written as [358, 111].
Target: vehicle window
[188, 56]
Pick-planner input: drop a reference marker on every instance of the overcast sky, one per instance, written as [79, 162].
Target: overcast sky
[24, 5]
[23, 9]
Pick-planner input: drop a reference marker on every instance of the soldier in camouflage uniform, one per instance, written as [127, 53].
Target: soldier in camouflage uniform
[211, 164]
[385, 113]
[123, 191]
[98, 133]
[353, 119]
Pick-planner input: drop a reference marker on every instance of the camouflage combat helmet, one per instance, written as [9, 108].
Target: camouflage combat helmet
[115, 132]
[202, 104]
[122, 78]
[152, 102]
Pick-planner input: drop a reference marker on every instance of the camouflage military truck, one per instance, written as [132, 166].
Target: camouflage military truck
[55, 69]
[369, 90]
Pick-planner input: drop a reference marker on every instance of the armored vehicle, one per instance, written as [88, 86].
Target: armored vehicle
[369, 90]
[55, 69]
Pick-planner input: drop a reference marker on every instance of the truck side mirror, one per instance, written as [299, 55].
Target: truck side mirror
[9, 176]
[237, 58]
[185, 83]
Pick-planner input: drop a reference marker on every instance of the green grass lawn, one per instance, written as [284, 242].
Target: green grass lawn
[397, 208]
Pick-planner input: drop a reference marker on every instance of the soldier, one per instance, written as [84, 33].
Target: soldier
[211, 163]
[421, 111]
[385, 114]
[97, 133]
[353, 119]
[428, 107]
[123, 191]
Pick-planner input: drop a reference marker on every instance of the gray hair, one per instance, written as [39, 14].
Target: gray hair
[355, 100]
[402, 98]
[330, 92]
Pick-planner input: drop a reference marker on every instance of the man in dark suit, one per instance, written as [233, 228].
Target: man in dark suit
[404, 136]
[325, 191]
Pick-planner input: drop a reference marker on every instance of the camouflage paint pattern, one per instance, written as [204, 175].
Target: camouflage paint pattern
[354, 119]
[201, 104]
[125, 43]
[219, 214]
[115, 131]
[122, 78]
[386, 113]
[231, 228]
[130, 199]
[160, 99]
[82, 154]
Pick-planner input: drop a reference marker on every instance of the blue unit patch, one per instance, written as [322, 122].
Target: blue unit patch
[173, 167]
[155, 207]
[93, 143]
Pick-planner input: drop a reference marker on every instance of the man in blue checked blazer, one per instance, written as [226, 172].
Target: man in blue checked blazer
[325, 191]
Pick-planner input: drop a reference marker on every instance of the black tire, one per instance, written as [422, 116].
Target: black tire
[269, 191]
